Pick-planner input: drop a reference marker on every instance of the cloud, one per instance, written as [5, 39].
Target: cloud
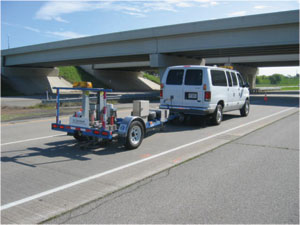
[65, 34]
[55, 10]
[238, 13]
[22, 27]
[260, 7]
[32, 29]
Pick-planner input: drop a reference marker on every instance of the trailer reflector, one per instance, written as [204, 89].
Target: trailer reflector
[104, 133]
[68, 127]
[77, 128]
[88, 130]
[96, 132]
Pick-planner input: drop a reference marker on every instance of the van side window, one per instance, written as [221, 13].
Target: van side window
[229, 79]
[241, 80]
[233, 79]
[175, 77]
[193, 77]
[218, 78]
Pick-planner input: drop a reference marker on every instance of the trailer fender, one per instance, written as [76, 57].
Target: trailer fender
[125, 124]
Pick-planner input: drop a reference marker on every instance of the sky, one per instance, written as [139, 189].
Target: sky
[33, 22]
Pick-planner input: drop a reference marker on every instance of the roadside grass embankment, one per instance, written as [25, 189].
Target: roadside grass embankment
[76, 74]
[153, 78]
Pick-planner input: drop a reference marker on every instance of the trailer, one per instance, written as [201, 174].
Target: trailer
[98, 121]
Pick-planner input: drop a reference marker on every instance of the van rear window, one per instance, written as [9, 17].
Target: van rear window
[175, 77]
[218, 78]
[193, 77]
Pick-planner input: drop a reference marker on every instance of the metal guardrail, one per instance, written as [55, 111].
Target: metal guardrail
[263, 89]
[109, 97]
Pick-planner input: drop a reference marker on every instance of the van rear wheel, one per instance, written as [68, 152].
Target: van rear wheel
[217, 115]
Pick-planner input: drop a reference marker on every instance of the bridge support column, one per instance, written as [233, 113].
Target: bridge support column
[32, 81]
[162, 61]
[248, 72]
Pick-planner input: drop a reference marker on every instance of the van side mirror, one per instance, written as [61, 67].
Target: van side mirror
[246, 85]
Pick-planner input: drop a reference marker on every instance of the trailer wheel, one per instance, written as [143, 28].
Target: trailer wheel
[79, 137]
[135, 135]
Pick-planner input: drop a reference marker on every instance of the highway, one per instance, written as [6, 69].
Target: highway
[46, 173]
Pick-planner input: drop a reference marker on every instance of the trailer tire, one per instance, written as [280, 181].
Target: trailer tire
[135, 135]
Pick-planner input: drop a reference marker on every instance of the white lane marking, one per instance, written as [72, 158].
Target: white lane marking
[32, 139]
[60, 188]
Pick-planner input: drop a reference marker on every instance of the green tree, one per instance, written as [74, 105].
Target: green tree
[275, 78]
[257, 80]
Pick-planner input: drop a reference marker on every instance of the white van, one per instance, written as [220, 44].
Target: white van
[204, 90]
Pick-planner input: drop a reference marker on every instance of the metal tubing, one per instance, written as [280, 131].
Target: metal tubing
[57, 105]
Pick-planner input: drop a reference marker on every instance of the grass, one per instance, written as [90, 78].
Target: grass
[153, 78]
[290, 88]
[265, 81]
[76, 74]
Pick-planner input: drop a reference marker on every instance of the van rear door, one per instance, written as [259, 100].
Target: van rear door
[192, 88]
[172, 91]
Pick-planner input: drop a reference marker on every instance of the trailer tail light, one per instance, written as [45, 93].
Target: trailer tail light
[104, 133]
[207, 96]
[68, 127]
[54, 126]
[161, 90]
[96, 132]
[77, 128]
[61, 127]
[88, 130]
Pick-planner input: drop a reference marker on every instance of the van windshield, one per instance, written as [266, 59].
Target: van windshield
[193, 77]
[175, 77]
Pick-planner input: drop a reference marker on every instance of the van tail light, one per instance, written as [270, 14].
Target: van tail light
[161, 90]
[207, 96]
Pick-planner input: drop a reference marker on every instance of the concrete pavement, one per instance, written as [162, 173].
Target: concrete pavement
[38, 166]
[254, 179]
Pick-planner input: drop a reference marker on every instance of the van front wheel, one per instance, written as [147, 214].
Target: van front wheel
[246, 108]
[217, 115]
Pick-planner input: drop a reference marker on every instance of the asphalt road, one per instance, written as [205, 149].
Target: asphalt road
[46, 173]
[254, 179]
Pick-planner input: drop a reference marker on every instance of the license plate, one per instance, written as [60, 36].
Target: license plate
[191, 95]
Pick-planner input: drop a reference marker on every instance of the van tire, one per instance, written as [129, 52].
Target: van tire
[135, 135]
[246, 108]
[217, 115]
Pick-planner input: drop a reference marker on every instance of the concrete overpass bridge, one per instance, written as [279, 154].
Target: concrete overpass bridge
[246, 42]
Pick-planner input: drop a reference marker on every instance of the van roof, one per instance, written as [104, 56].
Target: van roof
[198, 66]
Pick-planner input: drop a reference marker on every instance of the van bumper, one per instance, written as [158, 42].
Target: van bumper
[202, 111]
